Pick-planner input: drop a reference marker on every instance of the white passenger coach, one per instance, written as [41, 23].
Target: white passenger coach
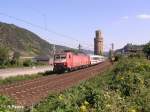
[95, 59]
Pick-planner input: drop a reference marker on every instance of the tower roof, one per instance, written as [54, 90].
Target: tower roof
[98, 34]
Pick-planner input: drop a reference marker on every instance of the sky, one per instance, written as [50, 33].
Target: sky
[73, 22]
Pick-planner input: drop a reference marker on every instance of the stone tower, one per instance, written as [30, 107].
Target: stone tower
[98, 43]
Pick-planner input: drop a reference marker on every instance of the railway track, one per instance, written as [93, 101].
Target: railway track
[30, 92]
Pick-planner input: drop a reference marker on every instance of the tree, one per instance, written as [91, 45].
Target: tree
[15, 58]
[4, 55]
[147, 50]
[111, 55]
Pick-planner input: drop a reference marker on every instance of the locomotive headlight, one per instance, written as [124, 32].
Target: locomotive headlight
[65, 63]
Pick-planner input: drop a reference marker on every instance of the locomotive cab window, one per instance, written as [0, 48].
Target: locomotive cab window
[57, 57]
[63, 57]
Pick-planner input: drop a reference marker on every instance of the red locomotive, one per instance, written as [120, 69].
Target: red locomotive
[70, 61]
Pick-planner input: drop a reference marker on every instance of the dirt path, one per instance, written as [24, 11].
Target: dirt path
[4, 73]
[30, 92]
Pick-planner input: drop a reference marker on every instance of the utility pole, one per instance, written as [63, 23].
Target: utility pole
[112, 46]
[54, 49]
[53, 54]
[111, 52]
[79, 47]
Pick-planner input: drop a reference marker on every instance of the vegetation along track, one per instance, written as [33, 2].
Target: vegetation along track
[30, 92]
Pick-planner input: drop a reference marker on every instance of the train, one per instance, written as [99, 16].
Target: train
[69, 61]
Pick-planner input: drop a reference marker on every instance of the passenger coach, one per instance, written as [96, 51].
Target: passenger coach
[96, 59]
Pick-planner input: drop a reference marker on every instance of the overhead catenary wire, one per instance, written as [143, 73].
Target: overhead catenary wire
[39, 12]
[38, 26]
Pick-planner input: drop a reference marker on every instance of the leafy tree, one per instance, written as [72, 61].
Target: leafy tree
[4, 56]
[111, 55]
[15, 59]
[147, 49]
[16, 56]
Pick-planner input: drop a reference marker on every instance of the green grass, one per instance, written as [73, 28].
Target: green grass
[125, 88]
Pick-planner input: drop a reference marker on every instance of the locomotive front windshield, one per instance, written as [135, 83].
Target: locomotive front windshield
[60, 57]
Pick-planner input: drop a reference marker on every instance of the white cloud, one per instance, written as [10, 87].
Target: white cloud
[143, 16]
[125, 17]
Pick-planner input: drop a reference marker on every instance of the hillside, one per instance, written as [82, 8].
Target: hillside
[24, 41]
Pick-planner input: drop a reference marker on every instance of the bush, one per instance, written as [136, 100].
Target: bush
[6, 104]
[131, 78]
[147, 50]
[28, 63]
[119, 57]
